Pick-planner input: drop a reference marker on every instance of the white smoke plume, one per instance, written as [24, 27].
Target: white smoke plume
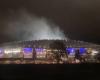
[24, 26]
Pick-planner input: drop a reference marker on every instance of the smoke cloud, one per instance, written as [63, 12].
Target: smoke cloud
[25, 26]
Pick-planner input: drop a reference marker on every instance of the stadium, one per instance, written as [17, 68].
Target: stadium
[49, 52]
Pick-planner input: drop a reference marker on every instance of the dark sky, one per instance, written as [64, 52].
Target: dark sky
[80, 19]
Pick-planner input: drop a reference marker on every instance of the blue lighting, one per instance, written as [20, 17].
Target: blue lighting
[39, 49]
[82, 50]
[71, 50]
[1, 51]
[28, 50]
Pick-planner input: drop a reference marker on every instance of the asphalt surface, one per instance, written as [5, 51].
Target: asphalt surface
[49, 72]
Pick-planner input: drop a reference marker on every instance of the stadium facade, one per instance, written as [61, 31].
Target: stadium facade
[39, 51]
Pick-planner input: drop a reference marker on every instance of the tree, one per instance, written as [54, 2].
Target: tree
[58, 49]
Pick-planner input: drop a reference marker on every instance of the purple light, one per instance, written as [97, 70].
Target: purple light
[39, 49]
[70, 50]
[82, 50]
[1, 51]
[28, 50]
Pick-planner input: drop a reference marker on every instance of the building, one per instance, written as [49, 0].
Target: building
[39, 51]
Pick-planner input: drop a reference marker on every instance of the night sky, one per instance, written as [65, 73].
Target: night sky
[79, 19]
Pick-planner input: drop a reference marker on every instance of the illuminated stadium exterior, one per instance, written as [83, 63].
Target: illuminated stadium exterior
[39, 51]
